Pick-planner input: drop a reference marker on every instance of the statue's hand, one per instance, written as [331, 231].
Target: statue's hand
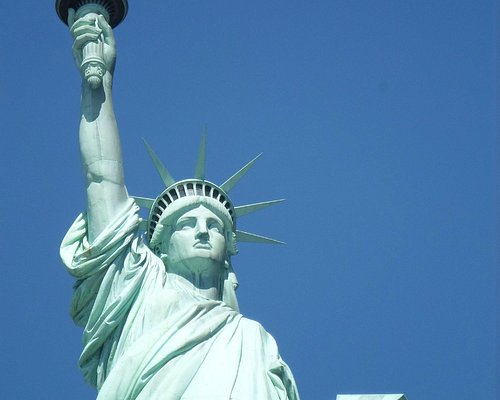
[92, 29]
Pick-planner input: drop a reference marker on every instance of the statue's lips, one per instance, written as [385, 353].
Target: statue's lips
[206, 246]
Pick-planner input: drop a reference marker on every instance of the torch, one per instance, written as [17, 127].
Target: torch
[93, 67]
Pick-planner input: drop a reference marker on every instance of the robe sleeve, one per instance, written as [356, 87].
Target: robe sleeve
[109, 275]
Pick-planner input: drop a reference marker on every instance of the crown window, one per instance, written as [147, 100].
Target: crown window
[174, 194]
[182, 192]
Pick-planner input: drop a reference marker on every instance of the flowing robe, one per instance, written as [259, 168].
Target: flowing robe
[147, 336]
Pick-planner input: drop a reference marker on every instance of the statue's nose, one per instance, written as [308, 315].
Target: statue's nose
[201, 229]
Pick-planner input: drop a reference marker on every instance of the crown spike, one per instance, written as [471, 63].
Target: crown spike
[144, 202]
[229, 184]
[164, 174]
[242, 236]
[250, 208]
[200, 165]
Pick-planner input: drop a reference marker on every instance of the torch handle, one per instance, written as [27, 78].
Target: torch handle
[93, 67]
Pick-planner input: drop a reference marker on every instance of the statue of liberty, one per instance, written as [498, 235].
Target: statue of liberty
[156, 298]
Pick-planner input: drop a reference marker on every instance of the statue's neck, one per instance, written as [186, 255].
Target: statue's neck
[207, 285]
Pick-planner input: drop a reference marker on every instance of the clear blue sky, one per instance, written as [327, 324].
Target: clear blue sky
[377, 123]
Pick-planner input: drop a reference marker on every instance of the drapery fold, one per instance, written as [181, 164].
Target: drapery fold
[148, 336]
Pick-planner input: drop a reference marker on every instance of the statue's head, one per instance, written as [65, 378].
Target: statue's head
[184, 196]
[193, 233]
[192, 223]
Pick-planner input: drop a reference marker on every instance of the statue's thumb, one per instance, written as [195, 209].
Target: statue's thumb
[103, 24]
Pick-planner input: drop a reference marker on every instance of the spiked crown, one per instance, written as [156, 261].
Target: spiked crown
[198, 190]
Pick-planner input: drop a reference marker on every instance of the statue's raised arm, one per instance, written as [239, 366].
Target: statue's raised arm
[99, 137]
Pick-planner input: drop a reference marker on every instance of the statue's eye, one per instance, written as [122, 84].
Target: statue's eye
[215, 226]
[185, 225]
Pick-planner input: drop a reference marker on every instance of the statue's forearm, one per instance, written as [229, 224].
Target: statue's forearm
[101, 157]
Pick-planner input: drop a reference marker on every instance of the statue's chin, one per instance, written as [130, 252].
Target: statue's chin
[196, 260]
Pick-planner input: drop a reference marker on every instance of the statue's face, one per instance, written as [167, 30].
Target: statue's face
[197, 238]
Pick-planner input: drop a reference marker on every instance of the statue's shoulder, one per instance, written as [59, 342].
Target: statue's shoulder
[256, 337]
[252, 326]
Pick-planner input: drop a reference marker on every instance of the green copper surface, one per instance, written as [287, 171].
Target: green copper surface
[160, 317]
